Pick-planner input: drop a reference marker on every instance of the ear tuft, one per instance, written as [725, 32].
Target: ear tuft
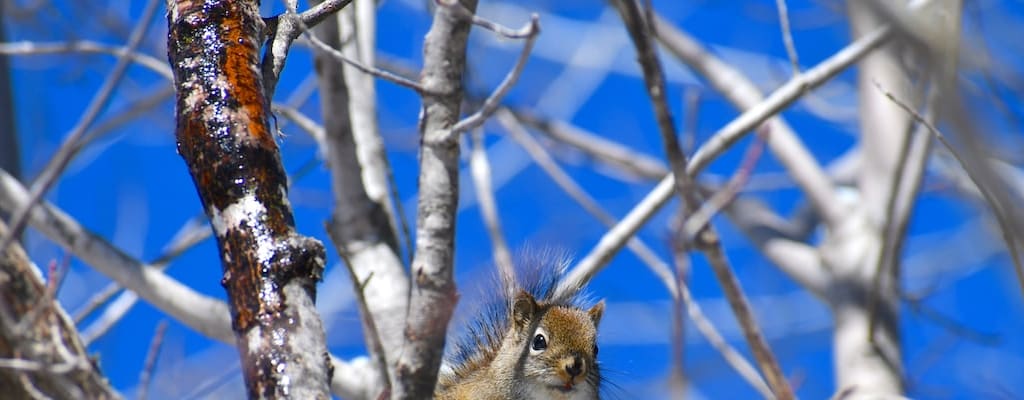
[523, 308]
[596, 312]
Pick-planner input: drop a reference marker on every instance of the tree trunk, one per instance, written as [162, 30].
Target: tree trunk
[223, 132]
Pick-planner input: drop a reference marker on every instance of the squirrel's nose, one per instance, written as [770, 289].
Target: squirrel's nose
[575, 368]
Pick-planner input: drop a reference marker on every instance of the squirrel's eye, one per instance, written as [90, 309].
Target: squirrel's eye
[539, 342]
[595, 350]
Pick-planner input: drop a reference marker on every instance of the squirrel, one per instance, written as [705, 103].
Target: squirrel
[532, 343]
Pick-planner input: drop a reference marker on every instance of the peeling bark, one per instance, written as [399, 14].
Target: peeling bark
[224, 136]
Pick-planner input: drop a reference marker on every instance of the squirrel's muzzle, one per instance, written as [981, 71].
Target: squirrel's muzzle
[573, 370]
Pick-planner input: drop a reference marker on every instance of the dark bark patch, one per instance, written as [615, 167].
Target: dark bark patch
[224, 137]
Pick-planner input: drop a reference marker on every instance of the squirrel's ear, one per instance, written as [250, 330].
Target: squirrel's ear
[596, 312]
[523, 307]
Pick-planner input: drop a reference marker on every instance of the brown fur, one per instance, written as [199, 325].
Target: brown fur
[503, 363]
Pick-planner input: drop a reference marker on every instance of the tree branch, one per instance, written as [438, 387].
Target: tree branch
[73, 143]
[359, 227]
[615, 238]
[40, 349]
[201, 313]
[283, 30]
[432, 298]
[224, 136]
[707, 241]
[744, 94]
[491, 103]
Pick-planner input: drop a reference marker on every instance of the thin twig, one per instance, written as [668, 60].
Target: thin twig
[1001, 215]
[614, 154]
[136, 109]
[320, 12]
[731, 356]
[912, 157]
[745, 96]
[532, 30]
[573, 189]
[480, 170]
[151, 356]
[691, 114]
[641, 250]
[640, 30]
[460, 11]
[776, 237]
[193, 232]
[721, 199]
[787, 36]
[954, 327]
[30, 48]
[304, 122]
[385, 75]
[614, 239]
[283, 29]
[72, 144]
[677, 380]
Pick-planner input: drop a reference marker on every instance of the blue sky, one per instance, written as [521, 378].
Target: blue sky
[132, 188]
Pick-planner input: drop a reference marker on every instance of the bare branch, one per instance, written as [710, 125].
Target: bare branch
[359, 226]
[283, 30]
[40, 352]
[779, 240]
[32, 48]
[743, 93]
[905, 185]
[388, 76]
[72, 143]
[530, 31]
[193, 233]
[614, 239]
[313, 16]
[702, 216]
[462, 12]
[1002, 217]
[203, 314]
[307, 124]
[358, 32]
[641, 250]
[151, 357]
[615, 154]
[573, 189]
[731, 356]
[480, 169]
[640, 31]
[707, 240]
[787, 36]
[433, 295]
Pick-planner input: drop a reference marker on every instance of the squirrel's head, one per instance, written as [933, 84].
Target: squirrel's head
[560, 359]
